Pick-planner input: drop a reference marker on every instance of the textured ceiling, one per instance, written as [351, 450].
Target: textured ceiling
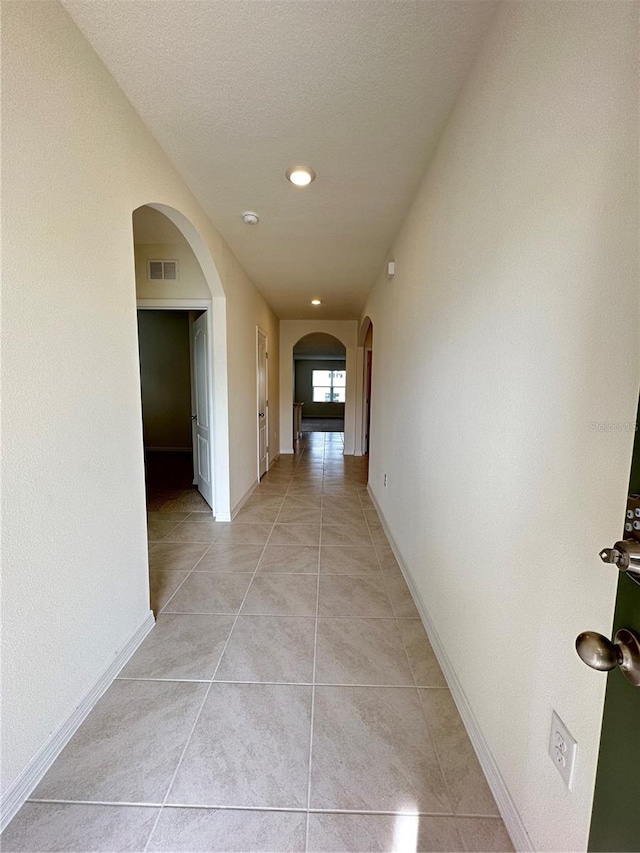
[237, 91]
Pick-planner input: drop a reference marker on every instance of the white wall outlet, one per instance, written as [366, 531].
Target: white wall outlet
[562, 749]
[385, 481]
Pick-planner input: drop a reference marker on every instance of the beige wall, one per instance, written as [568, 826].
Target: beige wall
[77, 162]
[191, 284]
[512, 325]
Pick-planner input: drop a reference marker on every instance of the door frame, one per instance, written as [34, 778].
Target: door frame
[260, 331]
[206, 306]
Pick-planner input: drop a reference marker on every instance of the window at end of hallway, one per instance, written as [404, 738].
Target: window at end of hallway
[329, 386]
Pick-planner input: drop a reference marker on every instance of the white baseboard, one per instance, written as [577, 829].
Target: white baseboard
[506, 806]
[242, 501]
[17, 793]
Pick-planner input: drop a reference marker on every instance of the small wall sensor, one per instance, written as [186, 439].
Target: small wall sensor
[391, 269]
[250, 218]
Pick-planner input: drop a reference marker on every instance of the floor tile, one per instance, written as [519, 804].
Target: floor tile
[354, 833]
[166, 556]
[425, 666]
[345, 534]
[257, 513]
[296, 559]
[270, 489]
[227, 557]
[470, 793]
[250, 747]
[65, 827]
[128, 747]
[210, 592]
[242, 533]
[157, 530]
[303, 502]
[400, 597]
[348, 560]
[194, 531]
[372, 517]
[361, 651]
[228, 830]
[304, 489]
[181, 647]
[295, 534]
[281, 595]
[265, 499]
[484, 835]
[162, 585]
[372, 750]
[200, 516]
[378, 536]
[299, 515]
[269, 648]
[332, 515]
[387, 559]
[168, 516]
[353, 595]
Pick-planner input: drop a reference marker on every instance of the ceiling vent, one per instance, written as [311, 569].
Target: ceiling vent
[162, 270]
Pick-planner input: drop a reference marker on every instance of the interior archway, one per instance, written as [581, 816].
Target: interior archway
[160, 233]
[319, 379]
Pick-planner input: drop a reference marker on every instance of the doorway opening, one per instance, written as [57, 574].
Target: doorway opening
[319, 384]
[262, 385]
[175, 416]
[366, 341]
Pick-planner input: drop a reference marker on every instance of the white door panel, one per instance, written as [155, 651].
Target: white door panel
[263, 419]
[202, 401]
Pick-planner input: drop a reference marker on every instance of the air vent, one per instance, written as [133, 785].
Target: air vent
[162, 270]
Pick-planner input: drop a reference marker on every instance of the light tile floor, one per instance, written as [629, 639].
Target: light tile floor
[287, 700]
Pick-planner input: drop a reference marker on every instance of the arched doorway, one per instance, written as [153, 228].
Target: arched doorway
[180, 296]
[320, 383]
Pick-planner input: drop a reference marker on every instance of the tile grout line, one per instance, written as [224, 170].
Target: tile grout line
[243, 808]
[202, 704]
[313, 679]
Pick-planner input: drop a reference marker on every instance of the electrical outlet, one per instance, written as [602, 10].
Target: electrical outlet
[385, 481]
[562, 749]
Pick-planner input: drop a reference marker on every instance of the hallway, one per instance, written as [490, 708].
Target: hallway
[287, 699]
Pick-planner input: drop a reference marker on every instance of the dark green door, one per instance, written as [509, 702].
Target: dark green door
[615, 820]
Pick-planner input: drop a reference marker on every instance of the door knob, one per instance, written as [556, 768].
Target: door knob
[600, 653]
[625, 555]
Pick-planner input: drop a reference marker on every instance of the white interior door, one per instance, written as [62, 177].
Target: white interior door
[202, 399]
[263, 412]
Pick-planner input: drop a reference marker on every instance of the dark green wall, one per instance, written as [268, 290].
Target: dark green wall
[304, 390]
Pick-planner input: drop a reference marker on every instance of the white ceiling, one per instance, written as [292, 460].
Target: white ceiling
[237, 91]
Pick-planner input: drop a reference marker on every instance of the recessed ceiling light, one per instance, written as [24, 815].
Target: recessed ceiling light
[316, 302]
[301, 176]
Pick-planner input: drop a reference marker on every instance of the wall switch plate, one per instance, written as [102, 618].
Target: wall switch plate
[562, 749]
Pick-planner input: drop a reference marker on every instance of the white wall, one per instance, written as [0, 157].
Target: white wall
[346, 331]
[511, 326]
[77, 162]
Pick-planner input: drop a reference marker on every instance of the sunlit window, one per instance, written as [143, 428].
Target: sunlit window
[329, 386]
